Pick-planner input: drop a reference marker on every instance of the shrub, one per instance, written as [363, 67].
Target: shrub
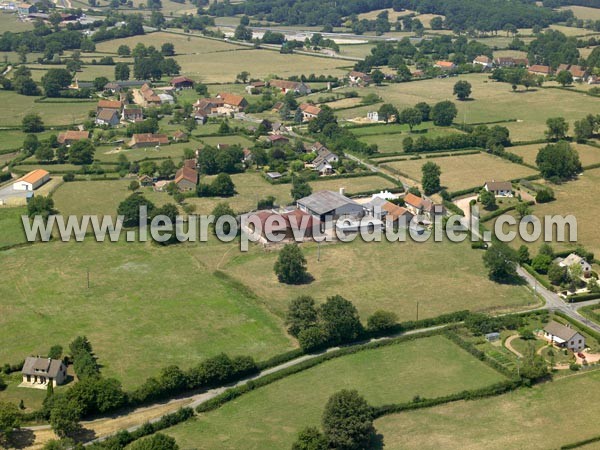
[313, 338]
[381, 321]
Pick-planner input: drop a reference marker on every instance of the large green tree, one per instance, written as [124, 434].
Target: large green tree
[462, 89]
[411, 117]
[302, 314]
[55, 80]
[443, 113]
[557, 128]
[32, 123]
[130, 209]
[340, 320]
[501, 262]
[290, 266]
[10, 418]
[558, 162]
[348, 421]
[82, 152]
[431, 178]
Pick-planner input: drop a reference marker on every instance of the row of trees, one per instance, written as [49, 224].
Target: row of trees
[332, 323]
[460, 15]
[480, 136]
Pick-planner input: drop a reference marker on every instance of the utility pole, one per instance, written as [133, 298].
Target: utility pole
[417, 311]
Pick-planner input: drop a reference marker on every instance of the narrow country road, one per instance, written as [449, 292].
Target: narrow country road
[107, 426]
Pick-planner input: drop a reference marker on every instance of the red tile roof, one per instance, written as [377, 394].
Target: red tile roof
[72, 135]
[34, 176]
[413, 200]
[110, 104]
[231, 99]
[186, 173]
[310, 109]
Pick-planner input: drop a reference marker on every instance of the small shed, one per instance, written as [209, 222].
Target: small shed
[492, 337]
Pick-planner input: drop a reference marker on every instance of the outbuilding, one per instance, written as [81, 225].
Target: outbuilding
[32, 180]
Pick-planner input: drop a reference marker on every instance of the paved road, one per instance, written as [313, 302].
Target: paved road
[555, 303]
[552, 301]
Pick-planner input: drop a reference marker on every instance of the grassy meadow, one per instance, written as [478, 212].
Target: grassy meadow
[103, 196]
[213, 61]
[579, 199]
[587, 154]
[536, 418]
[16, 106]
[465, 171]
[389, 276]
[492, 101]
[136, 325]
[270, 417]
[11, 227]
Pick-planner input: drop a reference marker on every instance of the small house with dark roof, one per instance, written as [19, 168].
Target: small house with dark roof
[182, 82]
[39, 372]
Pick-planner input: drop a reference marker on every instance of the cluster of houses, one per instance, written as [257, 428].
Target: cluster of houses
[579, 73]
[223, 104]
[323, 209]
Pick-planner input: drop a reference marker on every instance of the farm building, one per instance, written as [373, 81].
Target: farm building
[297, 87]
[271, 224]
[132, 114]
[538, 69]
[70, 136]
[564, 336]
[32, 180]
[38, 372]
[445, 65]
[329, 203]
[423, 206]
[148, 140]
[182, 83]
